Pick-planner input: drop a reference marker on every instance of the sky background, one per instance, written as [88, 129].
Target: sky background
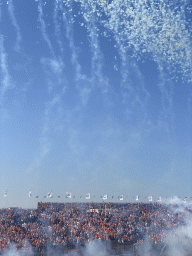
[95, 97]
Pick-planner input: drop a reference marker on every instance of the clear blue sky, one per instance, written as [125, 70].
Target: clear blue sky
[95, 96]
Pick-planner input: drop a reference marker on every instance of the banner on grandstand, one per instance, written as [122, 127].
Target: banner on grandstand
[30, 194]
[121, 197]
[105, 197]
[50, 195]
[5, 194]
[137, 198]
[88, 196]
[159, 199]
[68, 195]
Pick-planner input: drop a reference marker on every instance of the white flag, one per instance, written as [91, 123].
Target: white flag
[150, 198]
[30, 194]
[137, 198]
[105, 197]
[50, 194]
[121, 197]
[159, 199]
[68, 195]
[88, 196]
[5, 194]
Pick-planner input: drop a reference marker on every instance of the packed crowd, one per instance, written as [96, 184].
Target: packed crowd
[71, 224]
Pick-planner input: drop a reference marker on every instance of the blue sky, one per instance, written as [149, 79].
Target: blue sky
[96, 97]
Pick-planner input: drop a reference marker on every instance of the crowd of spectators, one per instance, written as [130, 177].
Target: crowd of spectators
[67, 225]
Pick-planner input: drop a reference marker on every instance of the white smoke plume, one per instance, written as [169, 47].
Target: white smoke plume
[13, 251]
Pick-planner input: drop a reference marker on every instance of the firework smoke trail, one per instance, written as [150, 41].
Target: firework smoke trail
[6, 80]
[43, 28]
[89, 16]
[53, 68]
[57, 8]
[15, 24]
[136, 94]
[79, 77]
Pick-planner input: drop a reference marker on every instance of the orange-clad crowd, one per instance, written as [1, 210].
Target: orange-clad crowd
[66, 225]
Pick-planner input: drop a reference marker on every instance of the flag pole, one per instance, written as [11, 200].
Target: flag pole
[137, 198]
[5, 195]
[89, 218]
[6, 200]
[104, 221]
[71, 214]
[71, 201]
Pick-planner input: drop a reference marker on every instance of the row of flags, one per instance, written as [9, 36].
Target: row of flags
[49, 195]
[159, 199]
[105, 197]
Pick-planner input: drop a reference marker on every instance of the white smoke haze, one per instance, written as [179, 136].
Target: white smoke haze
[13, 251]
[177, 242]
